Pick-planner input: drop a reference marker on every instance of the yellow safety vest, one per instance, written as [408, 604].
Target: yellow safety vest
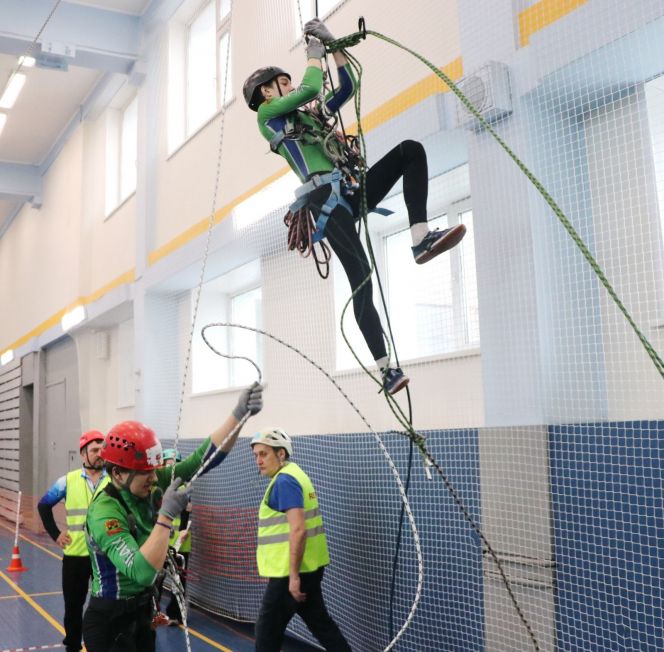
[186, 544]
[273, 550]
[78, 499]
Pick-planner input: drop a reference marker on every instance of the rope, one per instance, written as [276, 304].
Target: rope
[406, 422]
[183, 599]
[381, 444]
[301, 227]
[354, 39]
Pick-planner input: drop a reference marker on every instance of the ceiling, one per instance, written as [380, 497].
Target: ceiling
[52, 102]
[134, 7]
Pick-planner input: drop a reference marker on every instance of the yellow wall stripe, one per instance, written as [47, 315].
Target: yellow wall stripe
[54, 320]
[202, 226]
[531, 20]
[33, 604]
[413, 95]
[542, 14]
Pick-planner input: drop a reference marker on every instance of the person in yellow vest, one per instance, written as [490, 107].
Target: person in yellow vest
[292, 548]
[77, 489]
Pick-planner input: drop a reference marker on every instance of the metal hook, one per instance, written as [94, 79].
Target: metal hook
[362, 27]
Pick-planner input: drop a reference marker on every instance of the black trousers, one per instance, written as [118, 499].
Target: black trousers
[76, 573]
[407, 160]
[119, 625]
[279, 606]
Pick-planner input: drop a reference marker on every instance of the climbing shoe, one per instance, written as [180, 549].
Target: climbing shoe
[436, 242]
[394, 380]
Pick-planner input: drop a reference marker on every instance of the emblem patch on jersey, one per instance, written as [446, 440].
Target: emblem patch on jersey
[113, 526]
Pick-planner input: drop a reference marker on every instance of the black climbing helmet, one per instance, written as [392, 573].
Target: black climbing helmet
[251, 87]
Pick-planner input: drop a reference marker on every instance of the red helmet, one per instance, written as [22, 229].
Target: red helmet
[89, 436]
[132, 445]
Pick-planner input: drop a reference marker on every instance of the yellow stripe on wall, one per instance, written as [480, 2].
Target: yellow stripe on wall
[542, 14]
[54, 320]
[413, 95]
[202, 226]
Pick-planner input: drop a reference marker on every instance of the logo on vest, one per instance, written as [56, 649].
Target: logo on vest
[113, 526]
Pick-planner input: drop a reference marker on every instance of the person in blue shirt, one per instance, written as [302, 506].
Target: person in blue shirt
[291, 548]
[76, 489]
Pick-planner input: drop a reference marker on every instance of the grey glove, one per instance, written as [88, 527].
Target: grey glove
[315, 49]
[175, 499]
[316, 27]
[250, 401]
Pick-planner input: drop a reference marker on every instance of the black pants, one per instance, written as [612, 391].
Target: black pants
[119, 625]
[407, 160]
[76, 573]
[278, 607]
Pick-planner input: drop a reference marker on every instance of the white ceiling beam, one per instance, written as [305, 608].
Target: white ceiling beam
[20, 182]
[76, 35]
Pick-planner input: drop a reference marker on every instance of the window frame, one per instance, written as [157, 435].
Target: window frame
[226, 339]
[463, 346]
[115, 131]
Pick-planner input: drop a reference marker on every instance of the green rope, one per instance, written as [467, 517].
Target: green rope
[396, 409]
[354, 39]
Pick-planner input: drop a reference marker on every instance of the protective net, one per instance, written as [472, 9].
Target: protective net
[531, 347]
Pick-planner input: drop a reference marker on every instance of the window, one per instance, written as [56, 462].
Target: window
[235, 297]
[121, 154]
[433, 308]
[655, 104]
[199, 66]
[305, 10]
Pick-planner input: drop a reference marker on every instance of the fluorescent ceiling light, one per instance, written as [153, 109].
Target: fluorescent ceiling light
[27, 62]
[72, 318]
[3, 119]
[12, 90]
[7, 357]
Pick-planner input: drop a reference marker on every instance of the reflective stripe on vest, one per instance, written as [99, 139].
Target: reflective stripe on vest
[273, 550]
[78, 498]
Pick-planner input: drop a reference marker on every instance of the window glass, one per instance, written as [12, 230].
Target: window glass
[128, 149]
[201, 68]
[225, 70]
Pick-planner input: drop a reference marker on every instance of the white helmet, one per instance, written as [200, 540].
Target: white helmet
[274, 437]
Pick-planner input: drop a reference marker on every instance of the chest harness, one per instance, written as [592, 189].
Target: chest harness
[304, 230]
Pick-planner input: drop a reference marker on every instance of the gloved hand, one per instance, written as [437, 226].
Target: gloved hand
[250, 401]
[316, 27]
[315, 49]
[175, 499]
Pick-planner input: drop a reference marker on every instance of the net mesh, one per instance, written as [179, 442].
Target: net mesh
[535, 395]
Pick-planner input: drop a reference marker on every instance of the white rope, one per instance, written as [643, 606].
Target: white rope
[381, 445]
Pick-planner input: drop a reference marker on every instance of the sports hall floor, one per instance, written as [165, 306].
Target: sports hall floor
[31, 607]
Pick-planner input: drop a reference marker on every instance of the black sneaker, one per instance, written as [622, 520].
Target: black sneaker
[394, 380]
[436, 242]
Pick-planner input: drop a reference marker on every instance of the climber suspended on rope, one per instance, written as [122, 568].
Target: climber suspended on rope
[327, 164]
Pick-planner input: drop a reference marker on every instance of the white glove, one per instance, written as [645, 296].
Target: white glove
[316, 27]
